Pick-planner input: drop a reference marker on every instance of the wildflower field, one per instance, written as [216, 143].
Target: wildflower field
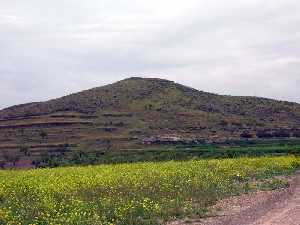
[129, 194]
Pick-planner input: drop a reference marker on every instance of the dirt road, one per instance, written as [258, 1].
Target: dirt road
[280, 207]
[284, 212]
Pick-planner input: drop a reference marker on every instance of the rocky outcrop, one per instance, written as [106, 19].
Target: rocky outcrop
[171, 140]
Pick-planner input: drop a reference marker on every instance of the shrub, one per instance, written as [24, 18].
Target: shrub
[281, 133]
[296, 133]
[246, 134]
[264, 134]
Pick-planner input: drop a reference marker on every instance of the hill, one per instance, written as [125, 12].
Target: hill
[138, 112]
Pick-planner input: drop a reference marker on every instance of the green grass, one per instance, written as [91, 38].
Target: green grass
[176, 153]
[140, 193]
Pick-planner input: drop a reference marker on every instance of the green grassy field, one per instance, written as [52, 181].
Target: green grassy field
[140, 193]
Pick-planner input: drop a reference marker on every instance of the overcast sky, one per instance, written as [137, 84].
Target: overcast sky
[52, 48]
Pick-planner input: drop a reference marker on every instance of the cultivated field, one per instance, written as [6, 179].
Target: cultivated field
[141, 193]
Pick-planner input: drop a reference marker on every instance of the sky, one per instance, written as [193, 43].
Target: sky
[52, 48]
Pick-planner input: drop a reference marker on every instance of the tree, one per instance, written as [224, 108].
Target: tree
[43, 135]
[296, 133]
[11, 157]
[282, 133]
[264, 134]
[22, 137]
[2, 164]
[246, 134]
[25, 150]
[107, 145]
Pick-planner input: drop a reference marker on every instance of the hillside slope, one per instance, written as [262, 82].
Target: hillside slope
[138, 111]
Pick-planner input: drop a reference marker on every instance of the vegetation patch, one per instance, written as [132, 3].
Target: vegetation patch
[174, 152]
[140, 193]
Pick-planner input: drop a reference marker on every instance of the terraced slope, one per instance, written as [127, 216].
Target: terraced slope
[137, 111]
